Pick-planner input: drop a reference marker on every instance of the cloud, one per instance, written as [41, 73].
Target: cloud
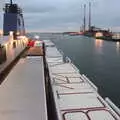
[39, 9]
[68, 14]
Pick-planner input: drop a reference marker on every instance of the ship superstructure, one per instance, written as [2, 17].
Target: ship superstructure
[13, 41]
[13, 20]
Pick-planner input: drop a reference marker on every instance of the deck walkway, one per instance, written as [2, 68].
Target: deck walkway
[22, 94]
[75, 96]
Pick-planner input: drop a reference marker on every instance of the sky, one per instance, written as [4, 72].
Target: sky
[66, 15]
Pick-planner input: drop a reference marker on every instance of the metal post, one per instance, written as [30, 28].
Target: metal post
[84, 26]
[11, 2]
[89, 15]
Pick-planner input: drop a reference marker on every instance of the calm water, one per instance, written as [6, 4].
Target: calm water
[98, 59]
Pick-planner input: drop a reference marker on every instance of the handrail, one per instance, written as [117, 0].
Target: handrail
[113, 106]
[93, 86]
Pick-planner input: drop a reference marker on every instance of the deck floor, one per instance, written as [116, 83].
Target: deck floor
[22, 94]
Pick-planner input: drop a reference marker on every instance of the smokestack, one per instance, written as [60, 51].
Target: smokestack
[89, 25]
[84, 19]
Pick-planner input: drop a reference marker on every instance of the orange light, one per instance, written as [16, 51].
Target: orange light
[99, 34]
[98, 42]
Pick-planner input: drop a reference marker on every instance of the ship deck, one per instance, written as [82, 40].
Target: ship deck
[75, 96]
[22, 94]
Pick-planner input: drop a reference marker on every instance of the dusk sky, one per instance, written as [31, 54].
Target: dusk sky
[67, 15]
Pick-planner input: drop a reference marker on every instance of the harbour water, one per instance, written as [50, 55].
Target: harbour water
[98, 59]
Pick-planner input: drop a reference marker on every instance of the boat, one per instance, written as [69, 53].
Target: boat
[13, 40]
[115, 37]
[95, 32]
[45, 84]
[98, 33]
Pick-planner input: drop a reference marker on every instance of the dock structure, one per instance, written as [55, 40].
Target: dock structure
[22, 94]
[75, 96]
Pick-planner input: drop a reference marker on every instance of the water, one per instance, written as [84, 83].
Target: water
[98, 59]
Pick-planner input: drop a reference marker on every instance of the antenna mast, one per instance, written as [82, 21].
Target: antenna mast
[84, 19]
[89, 15]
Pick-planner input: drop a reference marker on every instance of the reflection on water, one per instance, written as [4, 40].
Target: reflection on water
[118, 47]
[99, 45]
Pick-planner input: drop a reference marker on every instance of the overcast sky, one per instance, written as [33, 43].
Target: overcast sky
[67, 15]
